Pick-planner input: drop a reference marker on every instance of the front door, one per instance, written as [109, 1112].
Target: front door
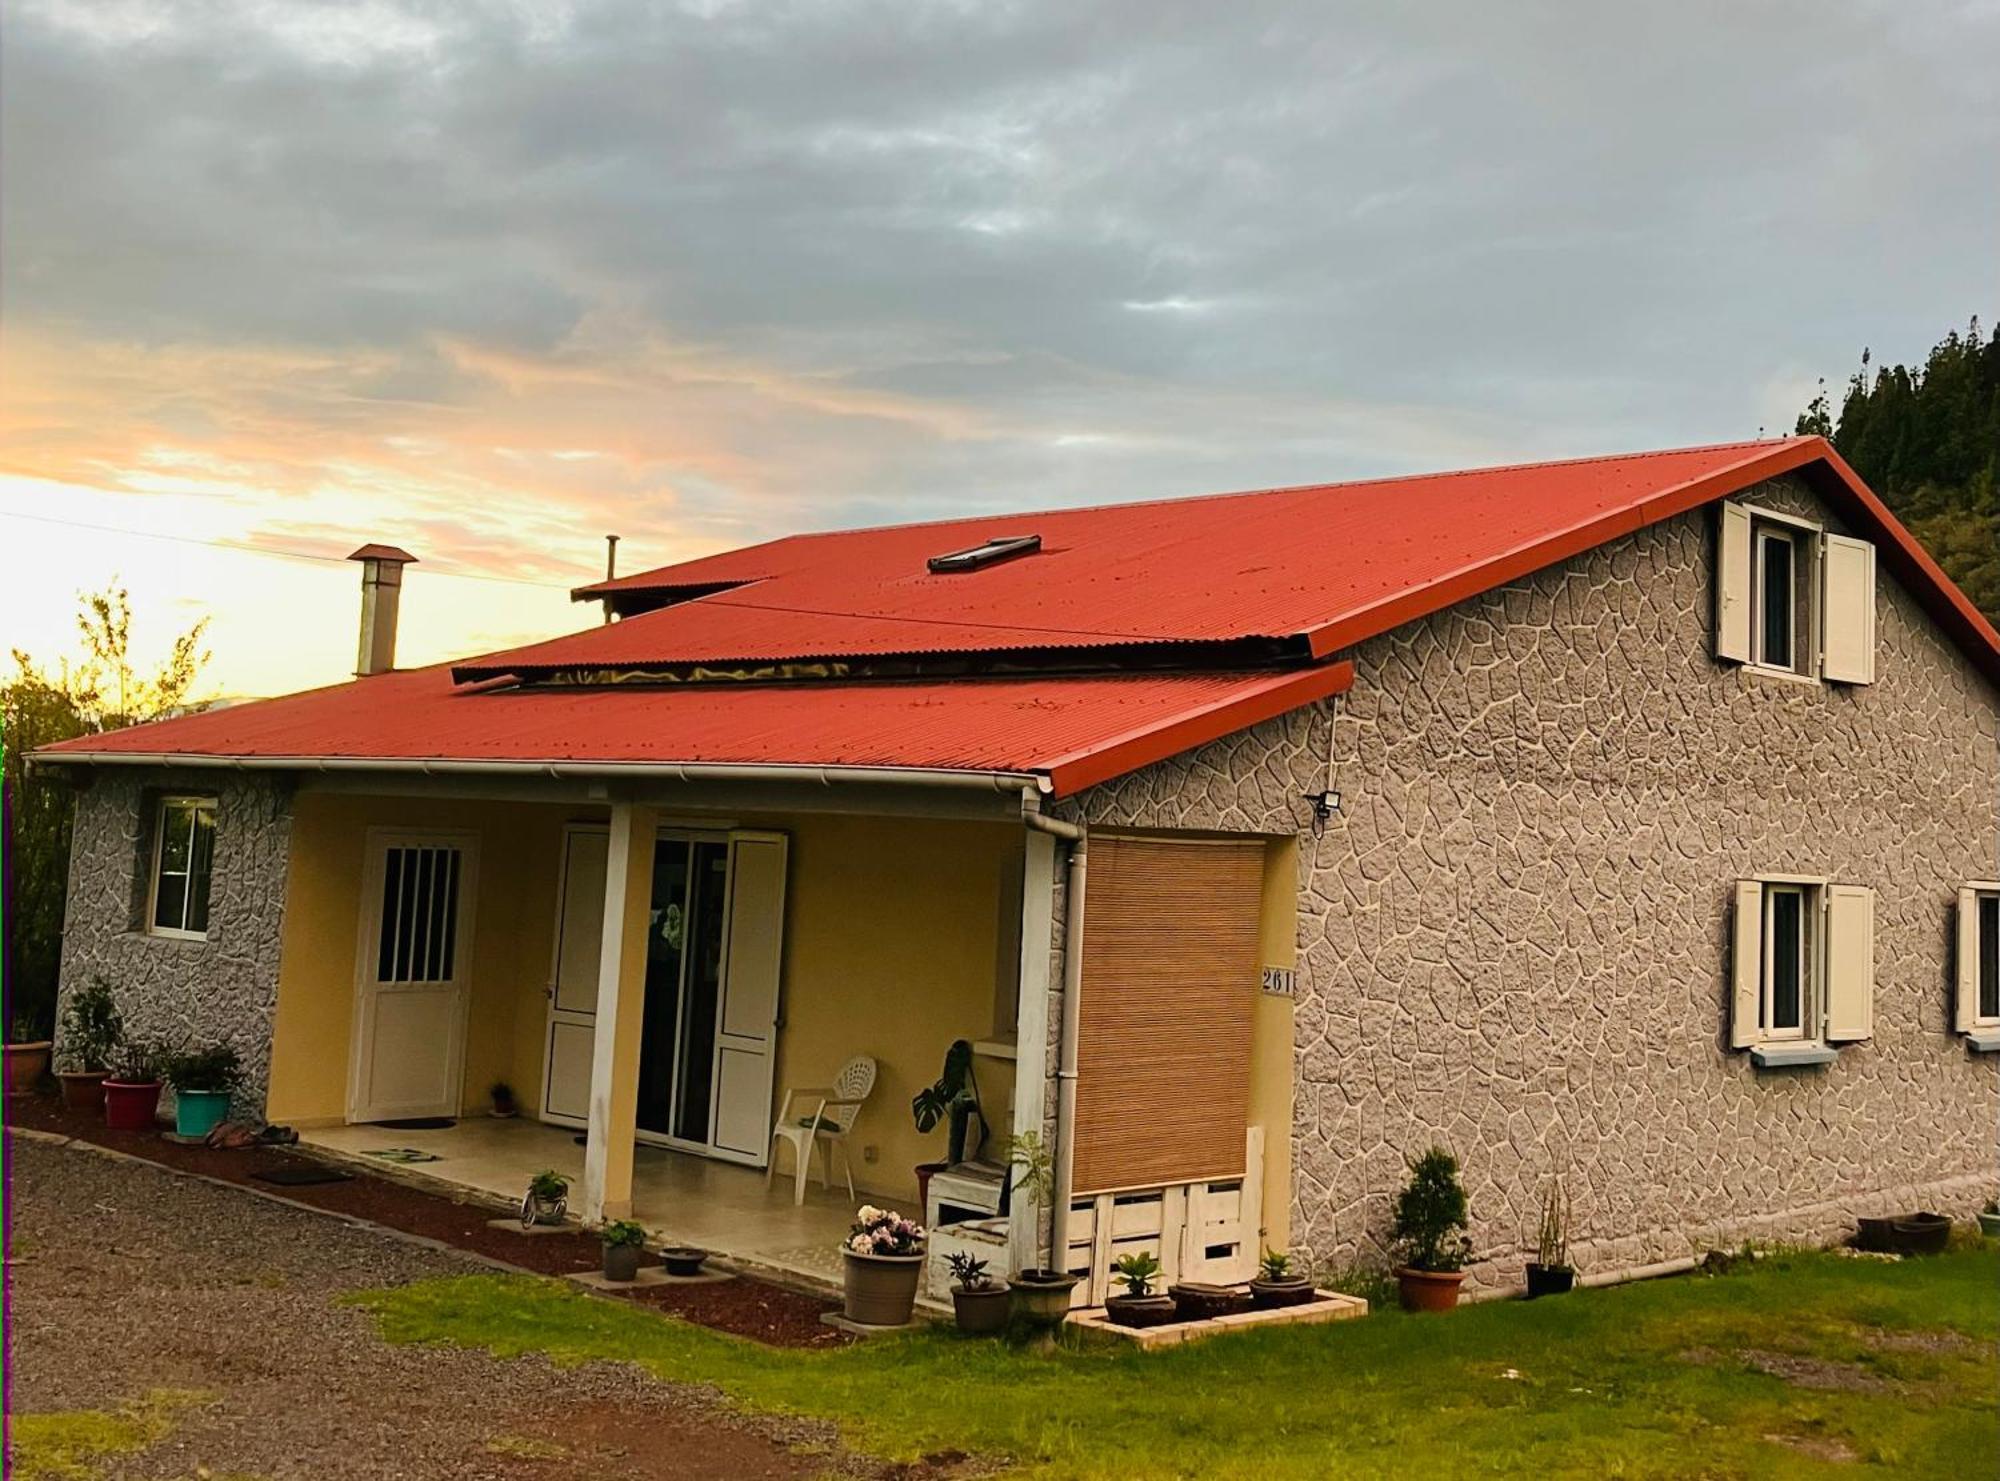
[412, 969]
[713, 952]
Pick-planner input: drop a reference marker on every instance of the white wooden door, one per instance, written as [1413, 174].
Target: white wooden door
[572, 1026]
[413, 965]
[747, 1026]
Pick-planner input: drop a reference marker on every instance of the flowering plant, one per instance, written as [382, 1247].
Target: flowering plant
[883, 1231]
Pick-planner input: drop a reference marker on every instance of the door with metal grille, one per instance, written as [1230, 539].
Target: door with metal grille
[412, 972]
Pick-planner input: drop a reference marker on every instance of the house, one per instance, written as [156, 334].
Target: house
[1631, 820]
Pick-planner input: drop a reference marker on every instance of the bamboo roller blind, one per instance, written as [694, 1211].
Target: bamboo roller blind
[1170, 952]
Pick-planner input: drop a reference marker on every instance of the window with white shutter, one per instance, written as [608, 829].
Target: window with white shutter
[1976, 1006]
[1802, 972]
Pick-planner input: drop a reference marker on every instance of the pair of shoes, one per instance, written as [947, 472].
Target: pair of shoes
[278, 1136]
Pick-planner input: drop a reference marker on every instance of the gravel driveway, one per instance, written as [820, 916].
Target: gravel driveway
[127, 1280]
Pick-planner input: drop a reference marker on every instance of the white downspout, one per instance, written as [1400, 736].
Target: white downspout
[1078, 839]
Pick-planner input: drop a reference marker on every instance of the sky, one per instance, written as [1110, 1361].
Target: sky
[491, 281]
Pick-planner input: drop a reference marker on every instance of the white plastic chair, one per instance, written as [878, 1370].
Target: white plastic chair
[823, 1129]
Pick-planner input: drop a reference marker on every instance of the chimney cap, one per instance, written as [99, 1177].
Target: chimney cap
[384, 553]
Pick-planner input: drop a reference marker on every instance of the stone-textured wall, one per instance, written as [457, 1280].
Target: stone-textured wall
[225, 987]
[1514, 939]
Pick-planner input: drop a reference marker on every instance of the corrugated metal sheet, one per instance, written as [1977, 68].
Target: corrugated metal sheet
[1071, 729]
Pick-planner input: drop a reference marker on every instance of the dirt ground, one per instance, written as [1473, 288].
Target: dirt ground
[126, 1280]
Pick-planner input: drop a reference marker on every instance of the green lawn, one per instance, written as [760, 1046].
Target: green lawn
[1801, 1364]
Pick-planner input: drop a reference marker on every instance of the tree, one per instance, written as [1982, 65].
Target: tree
[1927, 439]
[101, 691]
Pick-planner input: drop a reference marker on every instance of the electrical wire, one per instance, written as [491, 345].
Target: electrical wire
[276, 554]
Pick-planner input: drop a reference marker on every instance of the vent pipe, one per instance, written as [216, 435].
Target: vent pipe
[381, 594]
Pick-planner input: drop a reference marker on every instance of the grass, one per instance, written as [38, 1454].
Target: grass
[69, 1444]
[1802, 1364]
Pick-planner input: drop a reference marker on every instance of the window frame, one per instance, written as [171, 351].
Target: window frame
[1981, 894]
[197, 803]
[1804, 537]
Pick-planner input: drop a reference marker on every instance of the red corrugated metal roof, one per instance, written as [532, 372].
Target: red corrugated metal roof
[1323, 566]
[1076, 731]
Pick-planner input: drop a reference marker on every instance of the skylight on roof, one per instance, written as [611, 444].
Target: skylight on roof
[999, 548]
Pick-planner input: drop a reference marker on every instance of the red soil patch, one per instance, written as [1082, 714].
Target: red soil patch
[743, 1306]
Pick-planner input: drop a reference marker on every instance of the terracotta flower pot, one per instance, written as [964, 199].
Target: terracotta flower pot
[982, 1310]
[82, 1090]
[925, 1171]
[621, 1261]
[25, 1065]
[131, 1105]
[1428, 1290]
[881, 1290]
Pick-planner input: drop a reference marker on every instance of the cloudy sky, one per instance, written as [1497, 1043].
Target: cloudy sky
[493, 280]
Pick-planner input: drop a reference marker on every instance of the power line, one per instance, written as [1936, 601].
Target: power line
[275, 554]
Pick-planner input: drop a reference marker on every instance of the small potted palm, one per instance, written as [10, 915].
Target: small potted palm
[1041, 1294]
[203, 1080]
[91, 1029]
[1140, 1306]
[624, 1249]
[1550, 1273]
[884, 1259]
[1430, 1224]
[1279, 1283]
[979, 1300]
[132, 1089]
[546, 1200]
[505, 1107]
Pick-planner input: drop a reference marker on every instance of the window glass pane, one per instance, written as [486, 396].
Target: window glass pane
[202, 862]
[175, 820]
[392, 892]
[1777, 596]
[1989, 956]
[170, 902]
[1787, 916]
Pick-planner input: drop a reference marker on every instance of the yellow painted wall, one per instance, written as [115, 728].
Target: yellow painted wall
[891, 951]
[1271, 1065]
[514, 917]
[892, 947]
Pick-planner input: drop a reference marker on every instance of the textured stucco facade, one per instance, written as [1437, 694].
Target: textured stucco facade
[1514, 938]
[224, 987]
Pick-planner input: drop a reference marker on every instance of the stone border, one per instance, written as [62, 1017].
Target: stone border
[1094, 1324]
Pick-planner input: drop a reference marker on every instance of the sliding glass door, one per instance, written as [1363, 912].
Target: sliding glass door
[683, 989]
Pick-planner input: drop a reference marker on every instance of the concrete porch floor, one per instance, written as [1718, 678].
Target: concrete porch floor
[680, 1198]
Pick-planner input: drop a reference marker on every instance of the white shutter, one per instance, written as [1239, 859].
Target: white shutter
[1850, 961]
[752, 975]
[1965, 1004]
[1732, 583]
[1847, 610]
[1747, 964]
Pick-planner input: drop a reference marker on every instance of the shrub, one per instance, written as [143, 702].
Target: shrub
[1431, 1214]
[548, 1185]
[137, 1062]
[215, 1068]
[619, 1233]
[970, 1270]
[91, 1027]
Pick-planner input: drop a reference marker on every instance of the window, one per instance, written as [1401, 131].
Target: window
[1792, 598]
[183, 853]
[1978, 1007]
[1782, 598]
[999, 548]
[1804, 971]
[418, 939]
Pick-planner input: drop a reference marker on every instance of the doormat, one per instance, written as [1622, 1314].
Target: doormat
[421, 1123]
[302, 1177]
[402, 1154]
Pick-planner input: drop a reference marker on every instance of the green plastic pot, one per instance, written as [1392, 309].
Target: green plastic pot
[198, 1112]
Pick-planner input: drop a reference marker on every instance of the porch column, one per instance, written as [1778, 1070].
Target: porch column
[1032, 1104]
[621, 1010]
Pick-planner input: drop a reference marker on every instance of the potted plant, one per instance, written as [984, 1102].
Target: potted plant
[546, 1200]
[502, 1096]
[1140, 1306]
[624, 1249]
[978, 1299]
[1041, 1295]
[132, 1089]
[1550, 1273]
[203, 1080]
[91, 1029]
[884, 1257]
[27, 1056]
[1277, 1283]
[954, 1096]
[1430, 1220]
[683, 1260]
[1989, 1219]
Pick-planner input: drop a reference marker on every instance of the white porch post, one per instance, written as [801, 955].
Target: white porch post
[1031, 1033]
[621, 1009]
